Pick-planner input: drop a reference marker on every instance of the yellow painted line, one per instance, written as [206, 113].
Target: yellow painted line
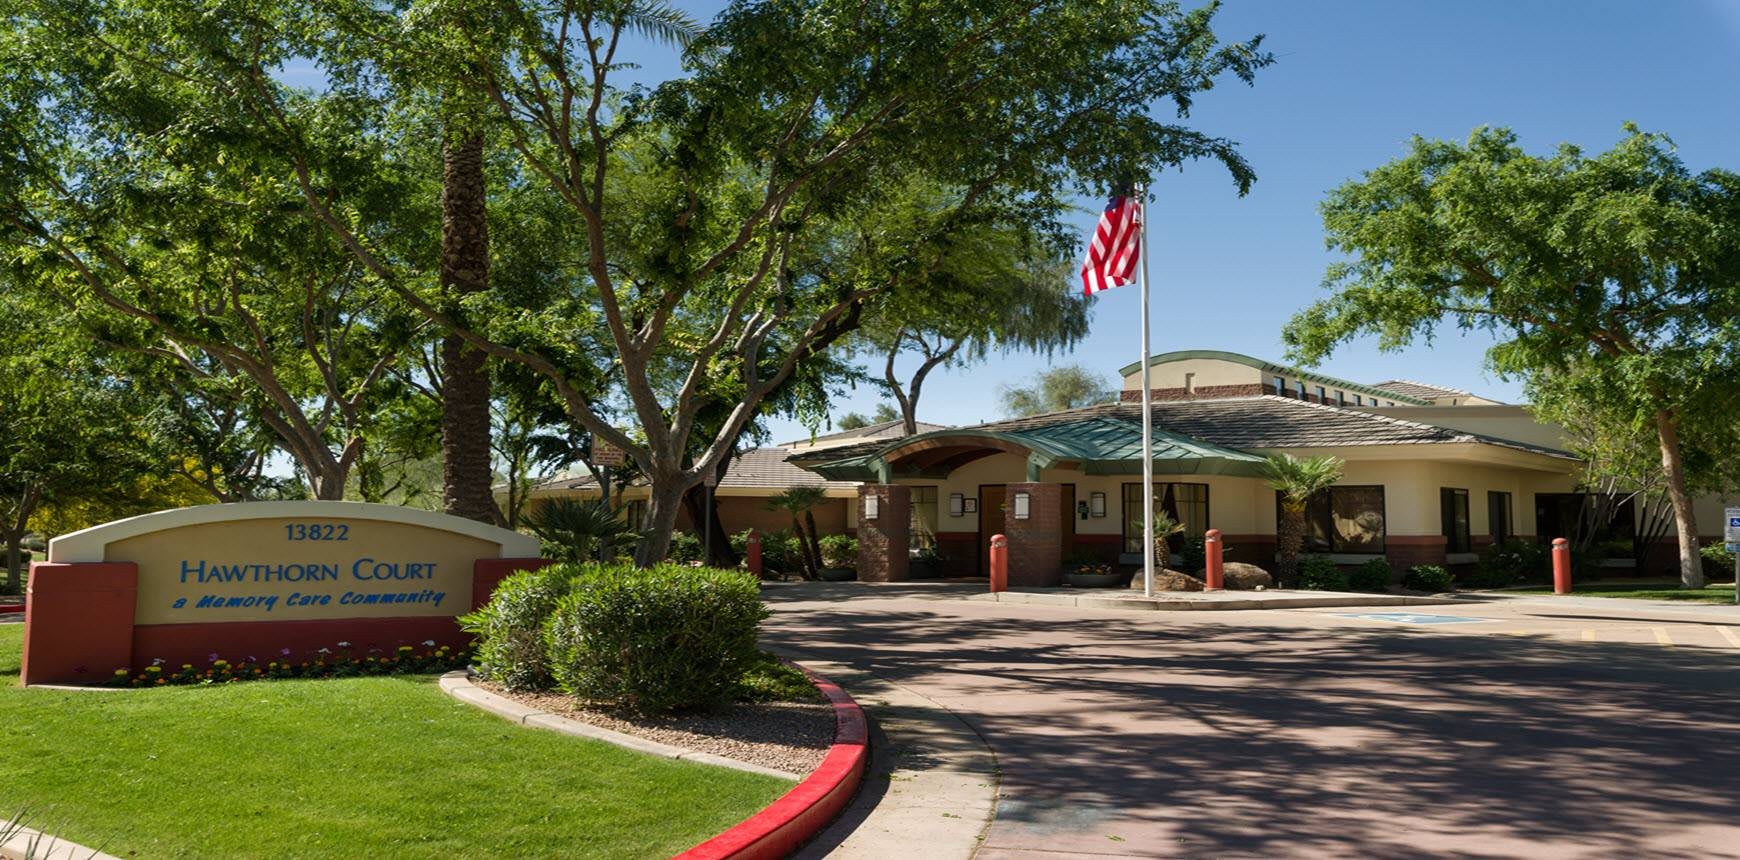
[1728, 634]
[1588, 636]
[1661, 636]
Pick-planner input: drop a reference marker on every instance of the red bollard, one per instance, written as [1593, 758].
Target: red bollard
[999, 564]
[753, 551]
[1213, 578]
[1561, 566]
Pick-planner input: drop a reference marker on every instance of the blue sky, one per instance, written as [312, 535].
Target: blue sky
[1354, 79]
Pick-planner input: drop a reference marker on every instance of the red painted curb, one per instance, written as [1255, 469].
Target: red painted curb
[802, 812]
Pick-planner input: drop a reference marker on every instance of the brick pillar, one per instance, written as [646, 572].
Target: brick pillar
[1035, 543]
[883, 542]
[78, 621]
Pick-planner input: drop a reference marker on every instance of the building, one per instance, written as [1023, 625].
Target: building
[1432, 475]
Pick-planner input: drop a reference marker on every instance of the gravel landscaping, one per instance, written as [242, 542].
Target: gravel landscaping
[788, 736]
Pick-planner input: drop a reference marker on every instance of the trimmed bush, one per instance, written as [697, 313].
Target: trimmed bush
[1318, 573]
[1427, 577]
[685, 547]
[1718, 561]
[656, 640]
[839, 551]
[1374, 575]
[510, 627]
[1507, 563]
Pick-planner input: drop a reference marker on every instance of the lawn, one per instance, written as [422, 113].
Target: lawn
[359, 767]
[1723, 593]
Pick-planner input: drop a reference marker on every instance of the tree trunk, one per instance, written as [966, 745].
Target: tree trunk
[809, 563]
[1289, 539]
[465, 426]
[815, 540]
[703, 514]
[663, 505]
[1691, 566]
[14, 562]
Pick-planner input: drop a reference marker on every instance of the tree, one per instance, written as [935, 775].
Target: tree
[1068, 387]
[1297, 480]
[1620, 269]
[852, 421]
[801, 502]
[884, 414]
[70, 434]
[138, 202]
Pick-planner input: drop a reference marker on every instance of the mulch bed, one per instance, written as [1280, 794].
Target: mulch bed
[788, 736]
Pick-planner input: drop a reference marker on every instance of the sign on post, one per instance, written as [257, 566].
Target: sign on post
[1731, 536]
[607, 455]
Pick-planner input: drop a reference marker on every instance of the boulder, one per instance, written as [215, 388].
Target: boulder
[1243, 577]
[1169, 580]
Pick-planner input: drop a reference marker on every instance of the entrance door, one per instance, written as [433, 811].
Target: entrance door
[991, 522]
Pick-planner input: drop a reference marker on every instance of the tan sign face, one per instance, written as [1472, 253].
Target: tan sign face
[299, 569]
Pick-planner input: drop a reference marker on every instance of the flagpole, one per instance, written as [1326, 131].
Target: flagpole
[1147, 406]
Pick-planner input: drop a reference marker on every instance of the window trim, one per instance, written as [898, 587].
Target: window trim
[1334, 537]
[1462, 541]
[1124, 502]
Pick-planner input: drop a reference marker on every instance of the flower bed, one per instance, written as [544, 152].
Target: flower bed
[322, 663]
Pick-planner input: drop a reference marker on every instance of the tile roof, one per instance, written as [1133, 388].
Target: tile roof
[1245, 423]
[757, 467]
[885, 429]
[1410, 388]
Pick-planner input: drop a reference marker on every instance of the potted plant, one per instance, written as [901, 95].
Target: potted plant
[839, 558]
[1093, 574]
[927, 563]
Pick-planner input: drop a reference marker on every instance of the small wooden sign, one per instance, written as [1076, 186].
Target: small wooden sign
[607, 455]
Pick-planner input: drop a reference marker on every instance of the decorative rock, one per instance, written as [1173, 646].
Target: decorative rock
[1243, 577]
[1169, 580]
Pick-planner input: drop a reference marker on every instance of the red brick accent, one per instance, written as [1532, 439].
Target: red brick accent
[883, 542]
[1405, 551]
[1035, 543]
[1202, 392]
[78, 621]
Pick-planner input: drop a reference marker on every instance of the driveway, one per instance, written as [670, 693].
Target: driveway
[1539, 730]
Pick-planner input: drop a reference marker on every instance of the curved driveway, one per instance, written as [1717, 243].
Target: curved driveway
[1576, 729]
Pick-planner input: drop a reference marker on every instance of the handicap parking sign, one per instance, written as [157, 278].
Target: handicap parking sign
[1731, 534]
[1416, 618]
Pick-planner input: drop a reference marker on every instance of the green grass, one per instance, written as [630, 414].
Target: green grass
[1723, 593]
[359, 767]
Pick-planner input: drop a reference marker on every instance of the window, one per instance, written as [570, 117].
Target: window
[1587, 518]
[1358, 400]
[1302, 394]
[1343, 519]
[1340, 398]
[1186, 503]
[636, 514]
[1322, 396]
[1280, 387]
[1453, 504]
[924, 520]
[1499, 522]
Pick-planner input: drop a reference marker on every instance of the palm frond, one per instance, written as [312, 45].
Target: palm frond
[1299, 479]
[659, 21]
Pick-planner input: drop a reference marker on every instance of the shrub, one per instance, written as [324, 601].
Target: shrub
[1718, 561]
[1507, 563]
[1426, 577]
[839, 551]
[685, 547]
[510, 627]
[769, 680]
[1318, 573]
[658, 639]
[1374, 575]
[1191, 555]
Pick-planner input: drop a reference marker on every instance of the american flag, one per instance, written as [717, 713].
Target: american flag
[1116, 247]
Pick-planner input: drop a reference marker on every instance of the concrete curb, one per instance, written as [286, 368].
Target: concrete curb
[805, 810]
[36, 845]
[458, 685]
[1162, 604]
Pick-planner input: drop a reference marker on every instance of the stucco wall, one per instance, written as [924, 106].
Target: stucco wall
[1209, 371]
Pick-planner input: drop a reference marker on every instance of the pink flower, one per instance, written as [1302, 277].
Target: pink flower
[284, 652]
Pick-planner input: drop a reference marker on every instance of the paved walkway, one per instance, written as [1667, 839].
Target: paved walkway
[1320, 732]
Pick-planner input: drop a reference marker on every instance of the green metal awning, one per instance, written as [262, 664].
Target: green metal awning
[1097, 445]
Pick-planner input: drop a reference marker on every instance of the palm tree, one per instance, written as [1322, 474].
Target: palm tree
[581, 529]
[799, 502]
[1164, 528]
[1297, 481]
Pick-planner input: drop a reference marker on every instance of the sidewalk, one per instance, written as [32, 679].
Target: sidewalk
[1210, 601]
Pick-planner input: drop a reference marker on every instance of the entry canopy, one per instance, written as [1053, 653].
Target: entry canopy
[1093, 445]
